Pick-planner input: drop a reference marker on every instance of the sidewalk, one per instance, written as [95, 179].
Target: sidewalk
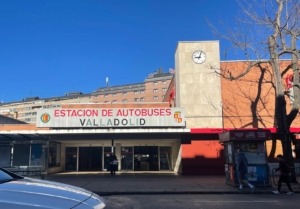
[146, 183]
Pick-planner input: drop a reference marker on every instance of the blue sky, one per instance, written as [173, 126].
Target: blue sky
[51, 47]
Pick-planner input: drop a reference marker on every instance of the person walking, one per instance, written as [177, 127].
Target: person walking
[113, 163]
[284, 170]
[242, 169]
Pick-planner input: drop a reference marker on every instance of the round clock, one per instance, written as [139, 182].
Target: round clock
[199, 57]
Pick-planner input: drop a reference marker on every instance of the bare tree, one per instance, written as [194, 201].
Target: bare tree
[273, 35]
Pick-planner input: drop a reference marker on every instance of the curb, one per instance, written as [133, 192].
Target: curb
[181, 192]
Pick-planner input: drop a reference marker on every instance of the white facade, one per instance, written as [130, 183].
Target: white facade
[198, 87]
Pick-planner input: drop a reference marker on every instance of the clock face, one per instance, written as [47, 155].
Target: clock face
[199, 57]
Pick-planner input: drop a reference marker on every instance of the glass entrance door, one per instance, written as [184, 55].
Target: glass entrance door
[146, 158]
[90, 158]
[127, 158]
[71, 159]
[165, 158]
[107, 151]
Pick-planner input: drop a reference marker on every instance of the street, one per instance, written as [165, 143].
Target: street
[204, 201]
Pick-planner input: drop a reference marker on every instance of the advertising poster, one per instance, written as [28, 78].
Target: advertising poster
[258, 174]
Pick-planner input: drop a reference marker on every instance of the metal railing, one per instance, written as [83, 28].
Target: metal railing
[35, 171]
[275, 175]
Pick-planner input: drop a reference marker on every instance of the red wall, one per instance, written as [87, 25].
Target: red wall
[203, 158]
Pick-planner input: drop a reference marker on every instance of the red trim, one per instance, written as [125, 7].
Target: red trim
[208, 130]
[220, 130]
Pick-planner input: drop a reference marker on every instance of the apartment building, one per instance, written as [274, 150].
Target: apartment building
[152, 90]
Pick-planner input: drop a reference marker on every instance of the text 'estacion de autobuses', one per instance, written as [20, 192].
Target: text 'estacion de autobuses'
[111, 112]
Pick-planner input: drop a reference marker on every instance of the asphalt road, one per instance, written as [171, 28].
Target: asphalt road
[204, 201]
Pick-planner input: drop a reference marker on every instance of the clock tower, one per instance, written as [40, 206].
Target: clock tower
[198, 87]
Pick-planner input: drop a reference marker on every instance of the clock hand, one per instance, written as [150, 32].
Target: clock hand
[199, 57]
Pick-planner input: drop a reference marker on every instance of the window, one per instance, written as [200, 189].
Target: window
[124, 93]
[155, 98]
[36, 158]
[105, 96]
[142, 99]
[5, 155]
[124, 100]
[155, 90]
[27, 119]
[155, 83]
[136, 99]
[21, 154]
[136, 92]
[54, 155]
[164, 89]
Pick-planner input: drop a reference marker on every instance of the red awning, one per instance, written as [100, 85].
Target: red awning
[220, 130]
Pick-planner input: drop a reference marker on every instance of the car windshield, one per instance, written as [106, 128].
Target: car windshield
[4, 176]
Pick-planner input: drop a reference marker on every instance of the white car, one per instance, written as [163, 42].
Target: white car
[17, 192]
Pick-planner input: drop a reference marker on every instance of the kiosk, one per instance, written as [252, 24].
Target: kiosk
[252, 143]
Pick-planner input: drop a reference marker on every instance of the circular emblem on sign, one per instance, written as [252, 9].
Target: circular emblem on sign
[45, 118]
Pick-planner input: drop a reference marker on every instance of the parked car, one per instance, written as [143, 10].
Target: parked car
[18, 192]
